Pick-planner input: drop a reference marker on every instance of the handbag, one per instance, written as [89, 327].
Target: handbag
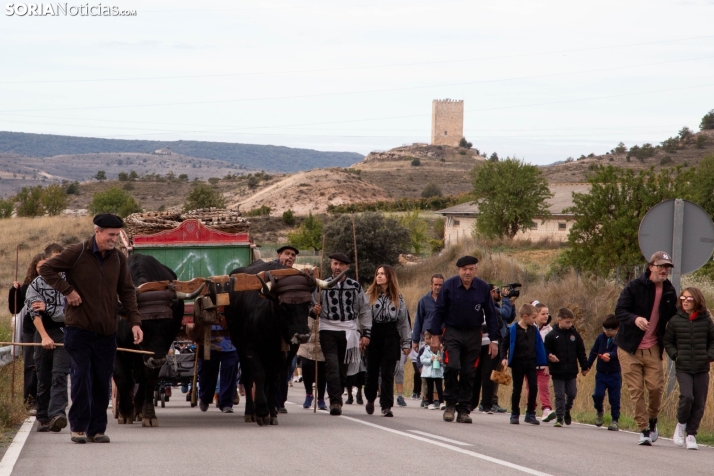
[501, 378]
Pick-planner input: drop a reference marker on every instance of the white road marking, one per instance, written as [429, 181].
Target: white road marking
[448, 440]
[453, 448]
[13, 452]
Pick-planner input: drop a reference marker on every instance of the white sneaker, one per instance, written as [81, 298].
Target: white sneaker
[645, 439]
[432, 407]
[692, 443]
[442, 406]
[679, 434]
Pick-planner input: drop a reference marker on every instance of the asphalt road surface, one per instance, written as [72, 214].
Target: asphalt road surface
[416, 441]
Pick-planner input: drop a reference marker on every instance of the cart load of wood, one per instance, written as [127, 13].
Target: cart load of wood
[221, 219]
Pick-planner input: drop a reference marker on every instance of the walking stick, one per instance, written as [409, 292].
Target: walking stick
[315, 328]
[14, 331]
[354, 237]
[194, 392]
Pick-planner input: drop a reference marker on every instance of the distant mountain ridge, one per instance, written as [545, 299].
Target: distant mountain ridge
[251, 156]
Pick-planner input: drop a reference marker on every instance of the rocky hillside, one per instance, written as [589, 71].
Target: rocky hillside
[684, 152]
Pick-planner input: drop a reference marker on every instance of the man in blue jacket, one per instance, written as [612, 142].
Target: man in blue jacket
[463, 302]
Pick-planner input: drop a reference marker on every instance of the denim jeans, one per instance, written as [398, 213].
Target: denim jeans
[92, 362]
[208, 371]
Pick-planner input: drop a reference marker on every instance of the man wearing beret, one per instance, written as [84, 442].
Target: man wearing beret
[287, 255]
[95, 274]
[462, 305]
[345, 328]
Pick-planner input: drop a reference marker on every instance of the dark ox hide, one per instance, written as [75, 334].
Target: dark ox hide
[259, 327]
[164, 314]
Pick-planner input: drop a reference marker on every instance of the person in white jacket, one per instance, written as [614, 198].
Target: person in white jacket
[433, 372]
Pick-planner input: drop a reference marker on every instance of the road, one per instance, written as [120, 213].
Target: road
[416, 441]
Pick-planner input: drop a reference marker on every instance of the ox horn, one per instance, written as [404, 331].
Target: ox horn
[266, 286]
[322, 284]
[180, 295]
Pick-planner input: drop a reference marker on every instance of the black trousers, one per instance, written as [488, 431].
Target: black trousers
[430, 384]
[482, 380]
[462, 348]
[308, 377]
[29, 370]
[382, 356]
[417, 379]
[524, 369]
[334, 346]
[693, 390]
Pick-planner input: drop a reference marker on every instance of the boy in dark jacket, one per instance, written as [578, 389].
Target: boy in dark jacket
[689, 342]
[523, 351]
[608, 375]
[565, 349]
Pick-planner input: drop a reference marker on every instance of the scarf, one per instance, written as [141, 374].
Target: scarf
[352, 354]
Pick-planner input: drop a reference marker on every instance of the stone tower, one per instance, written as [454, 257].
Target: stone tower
[447, 122]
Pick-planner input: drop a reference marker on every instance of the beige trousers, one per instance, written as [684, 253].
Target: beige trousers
[643, 369]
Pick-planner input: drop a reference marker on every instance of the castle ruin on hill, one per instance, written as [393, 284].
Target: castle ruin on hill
[447, 122]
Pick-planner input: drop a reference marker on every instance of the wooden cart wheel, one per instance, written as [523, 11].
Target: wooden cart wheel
[115, 400]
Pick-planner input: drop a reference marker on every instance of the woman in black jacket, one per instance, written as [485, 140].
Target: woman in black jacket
[16, 303]
[689, 342]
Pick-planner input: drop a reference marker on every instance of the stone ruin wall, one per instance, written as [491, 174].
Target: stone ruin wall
[447, 122]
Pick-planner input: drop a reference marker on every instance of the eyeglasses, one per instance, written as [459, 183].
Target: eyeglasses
[686, 298]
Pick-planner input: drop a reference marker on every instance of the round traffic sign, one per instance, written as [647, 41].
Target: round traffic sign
[657, 231]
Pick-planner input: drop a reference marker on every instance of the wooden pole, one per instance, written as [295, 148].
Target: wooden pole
[194, 392]
[14, 331]
[37, 344]
[354, 238]
[316, 326]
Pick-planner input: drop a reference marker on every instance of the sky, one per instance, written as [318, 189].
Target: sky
[540, 80]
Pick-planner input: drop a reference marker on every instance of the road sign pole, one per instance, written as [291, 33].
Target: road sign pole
[676, 275]
[677, 243]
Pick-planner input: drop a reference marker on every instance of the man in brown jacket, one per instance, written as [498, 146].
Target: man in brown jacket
[95, 275]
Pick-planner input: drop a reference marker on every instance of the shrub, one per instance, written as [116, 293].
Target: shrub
[466, 145]
[462, 152]
[666, 160]
[620, 149]
[263, 210]
[288, 217]
[30, 204]
[101, 175]
[6, 207]
[204, 196]
[431, 190]
[73, 189]
[493, 158]
[123, 177]
[701, 140]
[670, 145]
[183, 177]
[54, 199]
[416, 162]
[685, 134]
[252, 182]
[214, 180]
[308, 235]
[707, 121]
[114, 200]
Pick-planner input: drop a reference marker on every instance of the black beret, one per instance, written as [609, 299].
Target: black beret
[288, 247]
[108, 220]
[340, 257]
[466, 260]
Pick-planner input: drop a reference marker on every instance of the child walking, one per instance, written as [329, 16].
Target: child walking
[608, 376]
[565, 349]
[523, 350]
[542, 372]
[433, 372]
[689, 342]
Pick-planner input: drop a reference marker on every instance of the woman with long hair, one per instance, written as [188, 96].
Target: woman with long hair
[391, 333]
[16, 305]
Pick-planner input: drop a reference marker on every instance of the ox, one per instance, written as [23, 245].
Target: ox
[262, 325]
[161, 313]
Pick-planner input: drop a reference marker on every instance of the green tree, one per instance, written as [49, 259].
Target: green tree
[308, 235]
[685, 134]
[54, 199]
[204, 196]
[707, 121]
[6, 207]
[101, 175]
[133, 176]
[607, 218]
[380, 240]
[621, 148]
[114, 200]
[288, 217]
[73, 188]
[703, 183]
[123, 177]
[29, 202]
[493, 158]
[416, 162]
[465, 144]
[183, 177]
[417, 228]
[509, 194]
[431, 190]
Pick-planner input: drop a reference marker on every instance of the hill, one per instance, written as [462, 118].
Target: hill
[250, 156]
[682, 152]
[393, 170]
